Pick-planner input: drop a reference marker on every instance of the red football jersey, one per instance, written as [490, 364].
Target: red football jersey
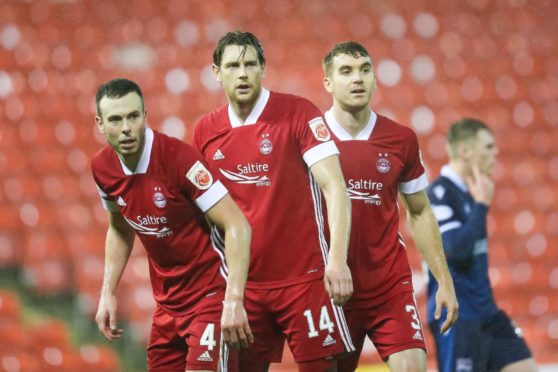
[164, 200]
[265, 165]
[381, 161]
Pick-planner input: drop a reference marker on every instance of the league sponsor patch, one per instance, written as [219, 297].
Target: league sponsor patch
[319, 129]
[200, 176]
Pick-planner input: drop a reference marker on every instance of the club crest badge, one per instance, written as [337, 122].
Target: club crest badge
[383, 164]
[159, 198]
[266, 146]
[319, 129]
[200, 176]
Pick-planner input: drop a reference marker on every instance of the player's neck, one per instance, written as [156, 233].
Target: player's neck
[459, 168]
[131, 161]
[243, 109]
[352, 121]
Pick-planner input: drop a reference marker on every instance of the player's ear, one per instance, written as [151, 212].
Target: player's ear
[464, 151]
[327, 84]
[217, 73]
[99, 122]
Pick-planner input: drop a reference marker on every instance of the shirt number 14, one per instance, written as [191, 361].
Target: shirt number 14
[325, 322]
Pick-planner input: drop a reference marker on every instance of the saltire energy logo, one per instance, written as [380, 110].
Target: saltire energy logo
[245, 179]
[367, 197]
[141, 228]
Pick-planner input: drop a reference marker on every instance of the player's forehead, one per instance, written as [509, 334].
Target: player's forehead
[120, 106]
[485, 137]
[234, 53]
[341, 60]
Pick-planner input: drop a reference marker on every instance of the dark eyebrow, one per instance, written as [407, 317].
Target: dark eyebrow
[114, 117]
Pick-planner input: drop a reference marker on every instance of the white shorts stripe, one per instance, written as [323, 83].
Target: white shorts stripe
[343, 328]
[223, 355]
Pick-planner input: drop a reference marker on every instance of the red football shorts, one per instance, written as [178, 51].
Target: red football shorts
[191, 341]
[303, 315]
[392, 326]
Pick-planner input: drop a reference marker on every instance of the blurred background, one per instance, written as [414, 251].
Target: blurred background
[435, 60]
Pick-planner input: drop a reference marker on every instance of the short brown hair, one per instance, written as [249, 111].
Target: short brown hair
[463, 130]
[117, 88]
[237, 38]
[351, 48]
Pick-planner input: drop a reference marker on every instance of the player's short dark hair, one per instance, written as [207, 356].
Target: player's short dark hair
[351, 48]
[240, 38]
[117, 88]
[463, 130]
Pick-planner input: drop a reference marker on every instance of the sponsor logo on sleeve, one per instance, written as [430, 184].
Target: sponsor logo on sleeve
[200, 176]
[319, 129]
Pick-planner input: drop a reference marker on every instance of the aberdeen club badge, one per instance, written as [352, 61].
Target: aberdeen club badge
[265, 145]
[383, 165]
[159, 198]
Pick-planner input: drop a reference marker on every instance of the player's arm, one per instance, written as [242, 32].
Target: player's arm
[329, 177]
[234, 321]
[461, 237]
[426, 235]
[118, 246]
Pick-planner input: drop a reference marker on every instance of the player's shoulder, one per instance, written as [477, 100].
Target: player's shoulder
[292, 101]
[212, 121]
[102, 159]
[441, 191]
[170, 147]
[394, 128]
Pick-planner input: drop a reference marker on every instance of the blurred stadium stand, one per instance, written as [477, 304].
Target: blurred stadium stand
[435, 62]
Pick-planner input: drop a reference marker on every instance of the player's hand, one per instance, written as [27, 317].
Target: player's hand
[234, 324]
[445, 297]
[338, 282]
[480, 186]
[106, 318]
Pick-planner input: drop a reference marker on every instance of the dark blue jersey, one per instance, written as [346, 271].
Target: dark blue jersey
[463, 227]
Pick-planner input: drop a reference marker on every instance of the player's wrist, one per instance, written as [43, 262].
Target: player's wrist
[234, 297]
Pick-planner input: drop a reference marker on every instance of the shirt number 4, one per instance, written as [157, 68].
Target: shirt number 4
[208, 337]
[325, 322]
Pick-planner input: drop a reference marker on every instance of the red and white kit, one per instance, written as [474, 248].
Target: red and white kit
[264, 163]
[381, 161]
[164, 200]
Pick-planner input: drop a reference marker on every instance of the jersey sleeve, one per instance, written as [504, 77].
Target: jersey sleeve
[461, 237]
[312, 134]
[108, 204]
[413, 178]
[197, 181]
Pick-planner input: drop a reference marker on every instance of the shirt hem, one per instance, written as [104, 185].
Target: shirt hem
[285, 282]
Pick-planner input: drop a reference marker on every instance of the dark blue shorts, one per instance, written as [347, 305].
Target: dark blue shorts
[479, 345]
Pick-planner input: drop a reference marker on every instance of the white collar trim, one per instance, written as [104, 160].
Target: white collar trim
[448, 172]
[343, 135]
[254, 114]
[145, 155]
